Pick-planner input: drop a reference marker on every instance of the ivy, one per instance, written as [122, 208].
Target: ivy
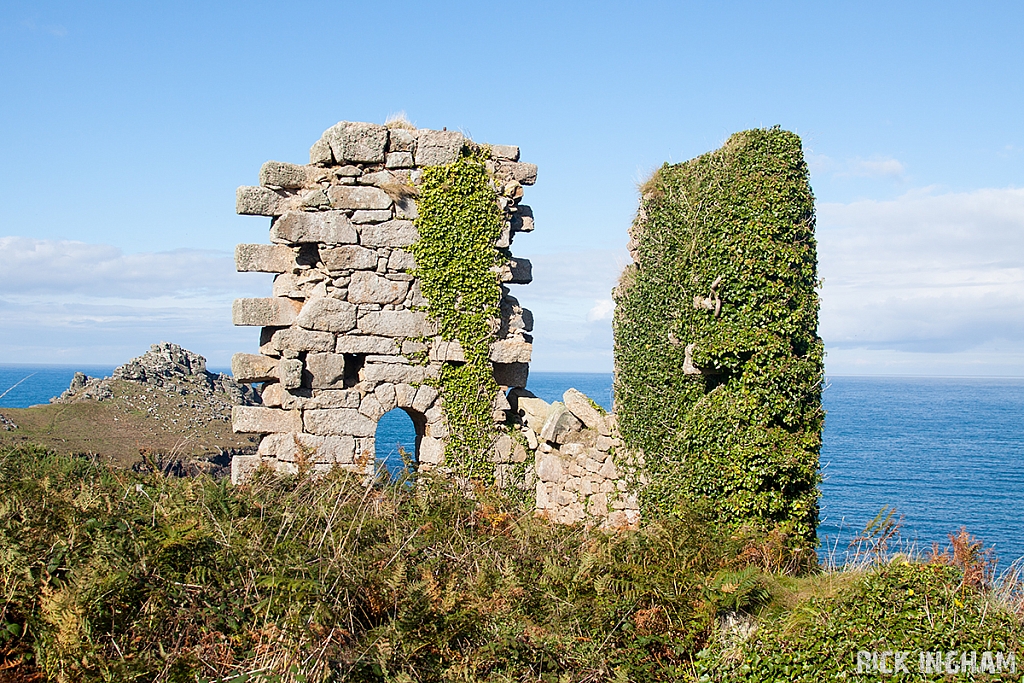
[459, 222]
[727, 266]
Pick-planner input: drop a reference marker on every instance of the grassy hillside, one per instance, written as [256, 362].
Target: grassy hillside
[109, 575]
[137, 418]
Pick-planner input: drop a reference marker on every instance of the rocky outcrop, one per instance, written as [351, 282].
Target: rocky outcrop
[171, 368]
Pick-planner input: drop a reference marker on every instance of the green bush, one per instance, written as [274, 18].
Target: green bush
[896, 606]
[726, 267]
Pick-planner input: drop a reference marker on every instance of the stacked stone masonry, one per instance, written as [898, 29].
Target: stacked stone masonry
[345, 336]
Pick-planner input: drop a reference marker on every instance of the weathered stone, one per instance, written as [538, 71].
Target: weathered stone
[522, 220]
[247, 368]
[405, 394]
[447, 351]
[376, 216]
[533, 411]
[425, 397]
[511, 351]
[431, 451]
[326, 370]
[399, 160]
[338, 421]
[401, 260]
[511, 374]
[354, 141]
[371, 407]
[320, 153]
[402, 140]
[301, 286]
[410, 347]
[396, 324]
[560, 424]
[406, 207]
[550, 468]
[315, 199]
[383, 179]
[365, 345]
[270, 312]
[309, 448]
[289, 372]
[573, 449]
[385, 394]
[304, 227]
[273, 395]
[260, 420]
[393, 233]
[581, 407]
[368, 288]
[608, 470]
[518, 271]
[393, 372]
[525, 174]
[503, 448]
[358, 197]
[509, 152]
[299, 339]
[279, 174]
[531, 437]
[263, 258]
[257, 201]
[604, 443]
[243, 467]
[327, 315]
[334, 398]
[438, 147]
[349, 257]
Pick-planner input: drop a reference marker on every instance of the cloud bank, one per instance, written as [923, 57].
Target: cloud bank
[72, 302]
[925, 283]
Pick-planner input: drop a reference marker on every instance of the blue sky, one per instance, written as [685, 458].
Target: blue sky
[125, 129]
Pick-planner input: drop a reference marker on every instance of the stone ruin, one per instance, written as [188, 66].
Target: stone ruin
[346, 323]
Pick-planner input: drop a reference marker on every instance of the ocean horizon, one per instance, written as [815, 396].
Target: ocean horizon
[945, 452]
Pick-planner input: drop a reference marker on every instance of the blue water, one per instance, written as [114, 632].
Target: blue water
[946, 452]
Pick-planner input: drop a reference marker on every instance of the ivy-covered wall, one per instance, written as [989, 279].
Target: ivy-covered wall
[718, 362]
[457, 266]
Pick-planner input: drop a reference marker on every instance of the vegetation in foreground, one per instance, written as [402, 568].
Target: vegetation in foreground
[112, 575]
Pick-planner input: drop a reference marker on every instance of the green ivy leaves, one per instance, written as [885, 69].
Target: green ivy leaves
[459, 221]
[734, 229]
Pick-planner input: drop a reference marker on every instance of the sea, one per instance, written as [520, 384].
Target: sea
[944, 453]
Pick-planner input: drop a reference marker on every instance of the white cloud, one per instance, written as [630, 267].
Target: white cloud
[74, 302]
[602, 310]
[570, 297]
[857, 167]
[926, 273]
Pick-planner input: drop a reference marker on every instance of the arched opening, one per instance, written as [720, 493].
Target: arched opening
[397, 441]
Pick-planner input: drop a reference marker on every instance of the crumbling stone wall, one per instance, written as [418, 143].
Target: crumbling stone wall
[346, 337]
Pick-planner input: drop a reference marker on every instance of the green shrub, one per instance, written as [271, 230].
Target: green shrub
[726, 267]
[896, 606]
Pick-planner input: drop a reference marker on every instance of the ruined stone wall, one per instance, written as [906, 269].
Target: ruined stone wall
[347, 335]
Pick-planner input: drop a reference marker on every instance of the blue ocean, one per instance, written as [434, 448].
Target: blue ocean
[945, 452]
